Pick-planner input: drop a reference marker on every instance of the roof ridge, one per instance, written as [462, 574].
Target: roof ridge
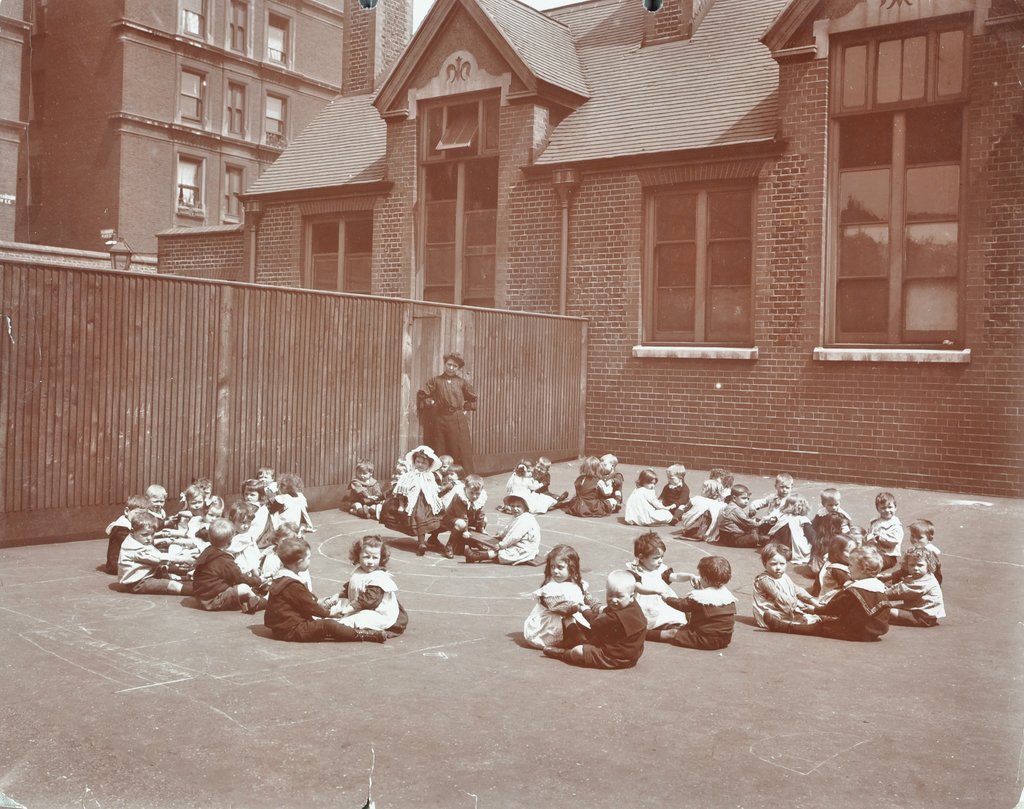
[535, 11]
[578, 3]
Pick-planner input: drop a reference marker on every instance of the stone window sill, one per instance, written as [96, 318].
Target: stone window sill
[695, 352]
[960, 356]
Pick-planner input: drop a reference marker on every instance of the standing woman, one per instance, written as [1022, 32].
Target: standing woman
[450, 396]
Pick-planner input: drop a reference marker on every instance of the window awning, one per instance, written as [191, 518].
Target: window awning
[460, 132]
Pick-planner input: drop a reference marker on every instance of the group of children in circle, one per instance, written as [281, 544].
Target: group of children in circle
[256, 558]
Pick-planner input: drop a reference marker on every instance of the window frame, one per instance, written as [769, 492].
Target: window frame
[280, 137]
[200, 100]
[343, 222]
[231, 111]
[231, 211]
[288, 38]
[230, 28]
[197, 211]
[478, 152]
[703, 241]
[895, 336]
[202, 16]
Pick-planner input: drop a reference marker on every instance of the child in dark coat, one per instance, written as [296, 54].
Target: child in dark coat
[617, 631]
[218, 583]
[711, 609]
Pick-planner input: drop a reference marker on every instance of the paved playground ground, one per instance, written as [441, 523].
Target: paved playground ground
[136, 702]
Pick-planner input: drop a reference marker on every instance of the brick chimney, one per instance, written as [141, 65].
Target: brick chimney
[374, 38]
[674, 20]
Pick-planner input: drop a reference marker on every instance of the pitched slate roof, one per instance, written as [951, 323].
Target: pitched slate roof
[544, 44]
[343, 144]
[716, 89]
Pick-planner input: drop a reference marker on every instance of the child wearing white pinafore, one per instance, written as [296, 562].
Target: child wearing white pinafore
[369, 600]
[653, 579]
[522, 484]
[643, 506]
[559, 599]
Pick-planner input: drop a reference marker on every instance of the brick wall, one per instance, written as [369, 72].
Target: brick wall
[924, 425]
[393, 218]
[198, 254]
[279, 241]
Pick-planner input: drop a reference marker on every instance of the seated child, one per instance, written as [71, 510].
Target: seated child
[294, 614]
[522, 483]
[558, 600]
[793, 529]
[268, 479]
[157, 495]
[922, 533]
[290, 504]
[710, 607]
[217, 581]
[463, 514]
[243, 546]
[271, 565]
[776, 593]
[858, 612]
[737, 525]
[254, 492]
[592, 499]
[773, 502]
[676, 494]
[144, 569]
[615, 639]
[835, 572]
[454, 487]
[518, 544]
[542, 474]
[199, 526]
[612, 478]
[826, 528]
[391, 513]
[654, 578]
[364, 492]
[886, 531]
[643, 507]
[119, 529]
[831, 503]
[918, 590]
[723, 476]
[699, 521]
[369, 599]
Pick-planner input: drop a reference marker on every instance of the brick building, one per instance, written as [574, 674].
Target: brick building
[796, 227]
[151, 115]
[15, 29]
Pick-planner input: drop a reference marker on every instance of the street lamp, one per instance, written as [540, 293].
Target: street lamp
[120, 254]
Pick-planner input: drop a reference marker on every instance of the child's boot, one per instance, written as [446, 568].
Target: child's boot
[475, 555]
[777, 624]
[421, 547]
[371, 635]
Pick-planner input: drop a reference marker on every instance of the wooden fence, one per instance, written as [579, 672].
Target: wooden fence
[112, 381]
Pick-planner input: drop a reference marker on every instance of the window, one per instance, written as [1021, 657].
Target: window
[193, 92]
[698, 262]
[339, 252]
[190, 186]
[236, 110]
[277, 39]
[460, 167]
[193, 18]
[896, 191]
[234, 184]
[276, 124]
[238, 26]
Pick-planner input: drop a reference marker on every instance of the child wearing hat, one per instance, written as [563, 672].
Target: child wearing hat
[418, 487]
[518, 544]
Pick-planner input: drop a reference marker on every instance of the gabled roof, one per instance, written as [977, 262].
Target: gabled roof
[539, 49]
[545, 44]
[716, 89]
[343, 145]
